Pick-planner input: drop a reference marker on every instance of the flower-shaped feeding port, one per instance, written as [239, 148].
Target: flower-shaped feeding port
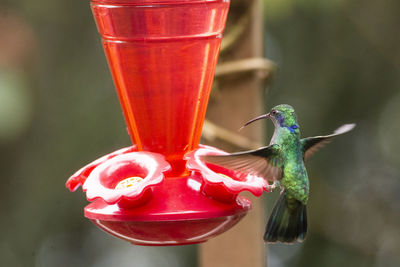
[220, 183]
[79, 177]
[126, 179]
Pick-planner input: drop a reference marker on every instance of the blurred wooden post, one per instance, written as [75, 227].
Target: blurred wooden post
[239, 99]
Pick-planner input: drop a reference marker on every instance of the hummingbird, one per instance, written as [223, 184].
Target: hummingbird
[282, 163]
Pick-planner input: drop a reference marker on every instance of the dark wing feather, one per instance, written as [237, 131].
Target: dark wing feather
[263, 162]
[311, 144]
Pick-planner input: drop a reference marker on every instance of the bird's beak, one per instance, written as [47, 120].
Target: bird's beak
[256, 119]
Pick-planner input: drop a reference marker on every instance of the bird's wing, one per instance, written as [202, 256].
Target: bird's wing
[310, 145]
[264, 162]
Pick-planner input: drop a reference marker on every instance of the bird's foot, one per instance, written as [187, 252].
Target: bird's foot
[273, 186]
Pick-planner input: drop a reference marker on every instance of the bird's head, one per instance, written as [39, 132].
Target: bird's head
[282, 116]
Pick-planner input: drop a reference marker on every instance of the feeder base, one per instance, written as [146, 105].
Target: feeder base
[178, 214]
[168, 233]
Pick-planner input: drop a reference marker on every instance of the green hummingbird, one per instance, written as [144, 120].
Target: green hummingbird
[282, 162]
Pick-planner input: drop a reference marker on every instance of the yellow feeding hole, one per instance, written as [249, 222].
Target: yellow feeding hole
[128, 182]
[225, 176]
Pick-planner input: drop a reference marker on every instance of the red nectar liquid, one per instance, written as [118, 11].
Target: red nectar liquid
[162, 58]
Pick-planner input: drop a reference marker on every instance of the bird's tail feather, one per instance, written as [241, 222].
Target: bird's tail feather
[288, 221]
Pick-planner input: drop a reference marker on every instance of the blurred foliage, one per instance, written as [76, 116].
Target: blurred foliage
[15, 103]
[338, 62]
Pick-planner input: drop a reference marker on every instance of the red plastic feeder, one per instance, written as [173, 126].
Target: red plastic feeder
[162, 55]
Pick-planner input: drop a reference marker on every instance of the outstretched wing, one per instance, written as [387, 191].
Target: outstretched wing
[264, 162]
[310, 145]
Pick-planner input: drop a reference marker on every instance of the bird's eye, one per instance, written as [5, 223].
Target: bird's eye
[274, 112]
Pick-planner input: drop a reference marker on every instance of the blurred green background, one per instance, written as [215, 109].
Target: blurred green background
[338, 61]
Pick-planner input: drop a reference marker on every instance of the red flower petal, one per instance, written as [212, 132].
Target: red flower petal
[78, 178]
[237, 182]
[102, 180]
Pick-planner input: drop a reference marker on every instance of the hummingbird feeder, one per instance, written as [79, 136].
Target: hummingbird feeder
[162, 55]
